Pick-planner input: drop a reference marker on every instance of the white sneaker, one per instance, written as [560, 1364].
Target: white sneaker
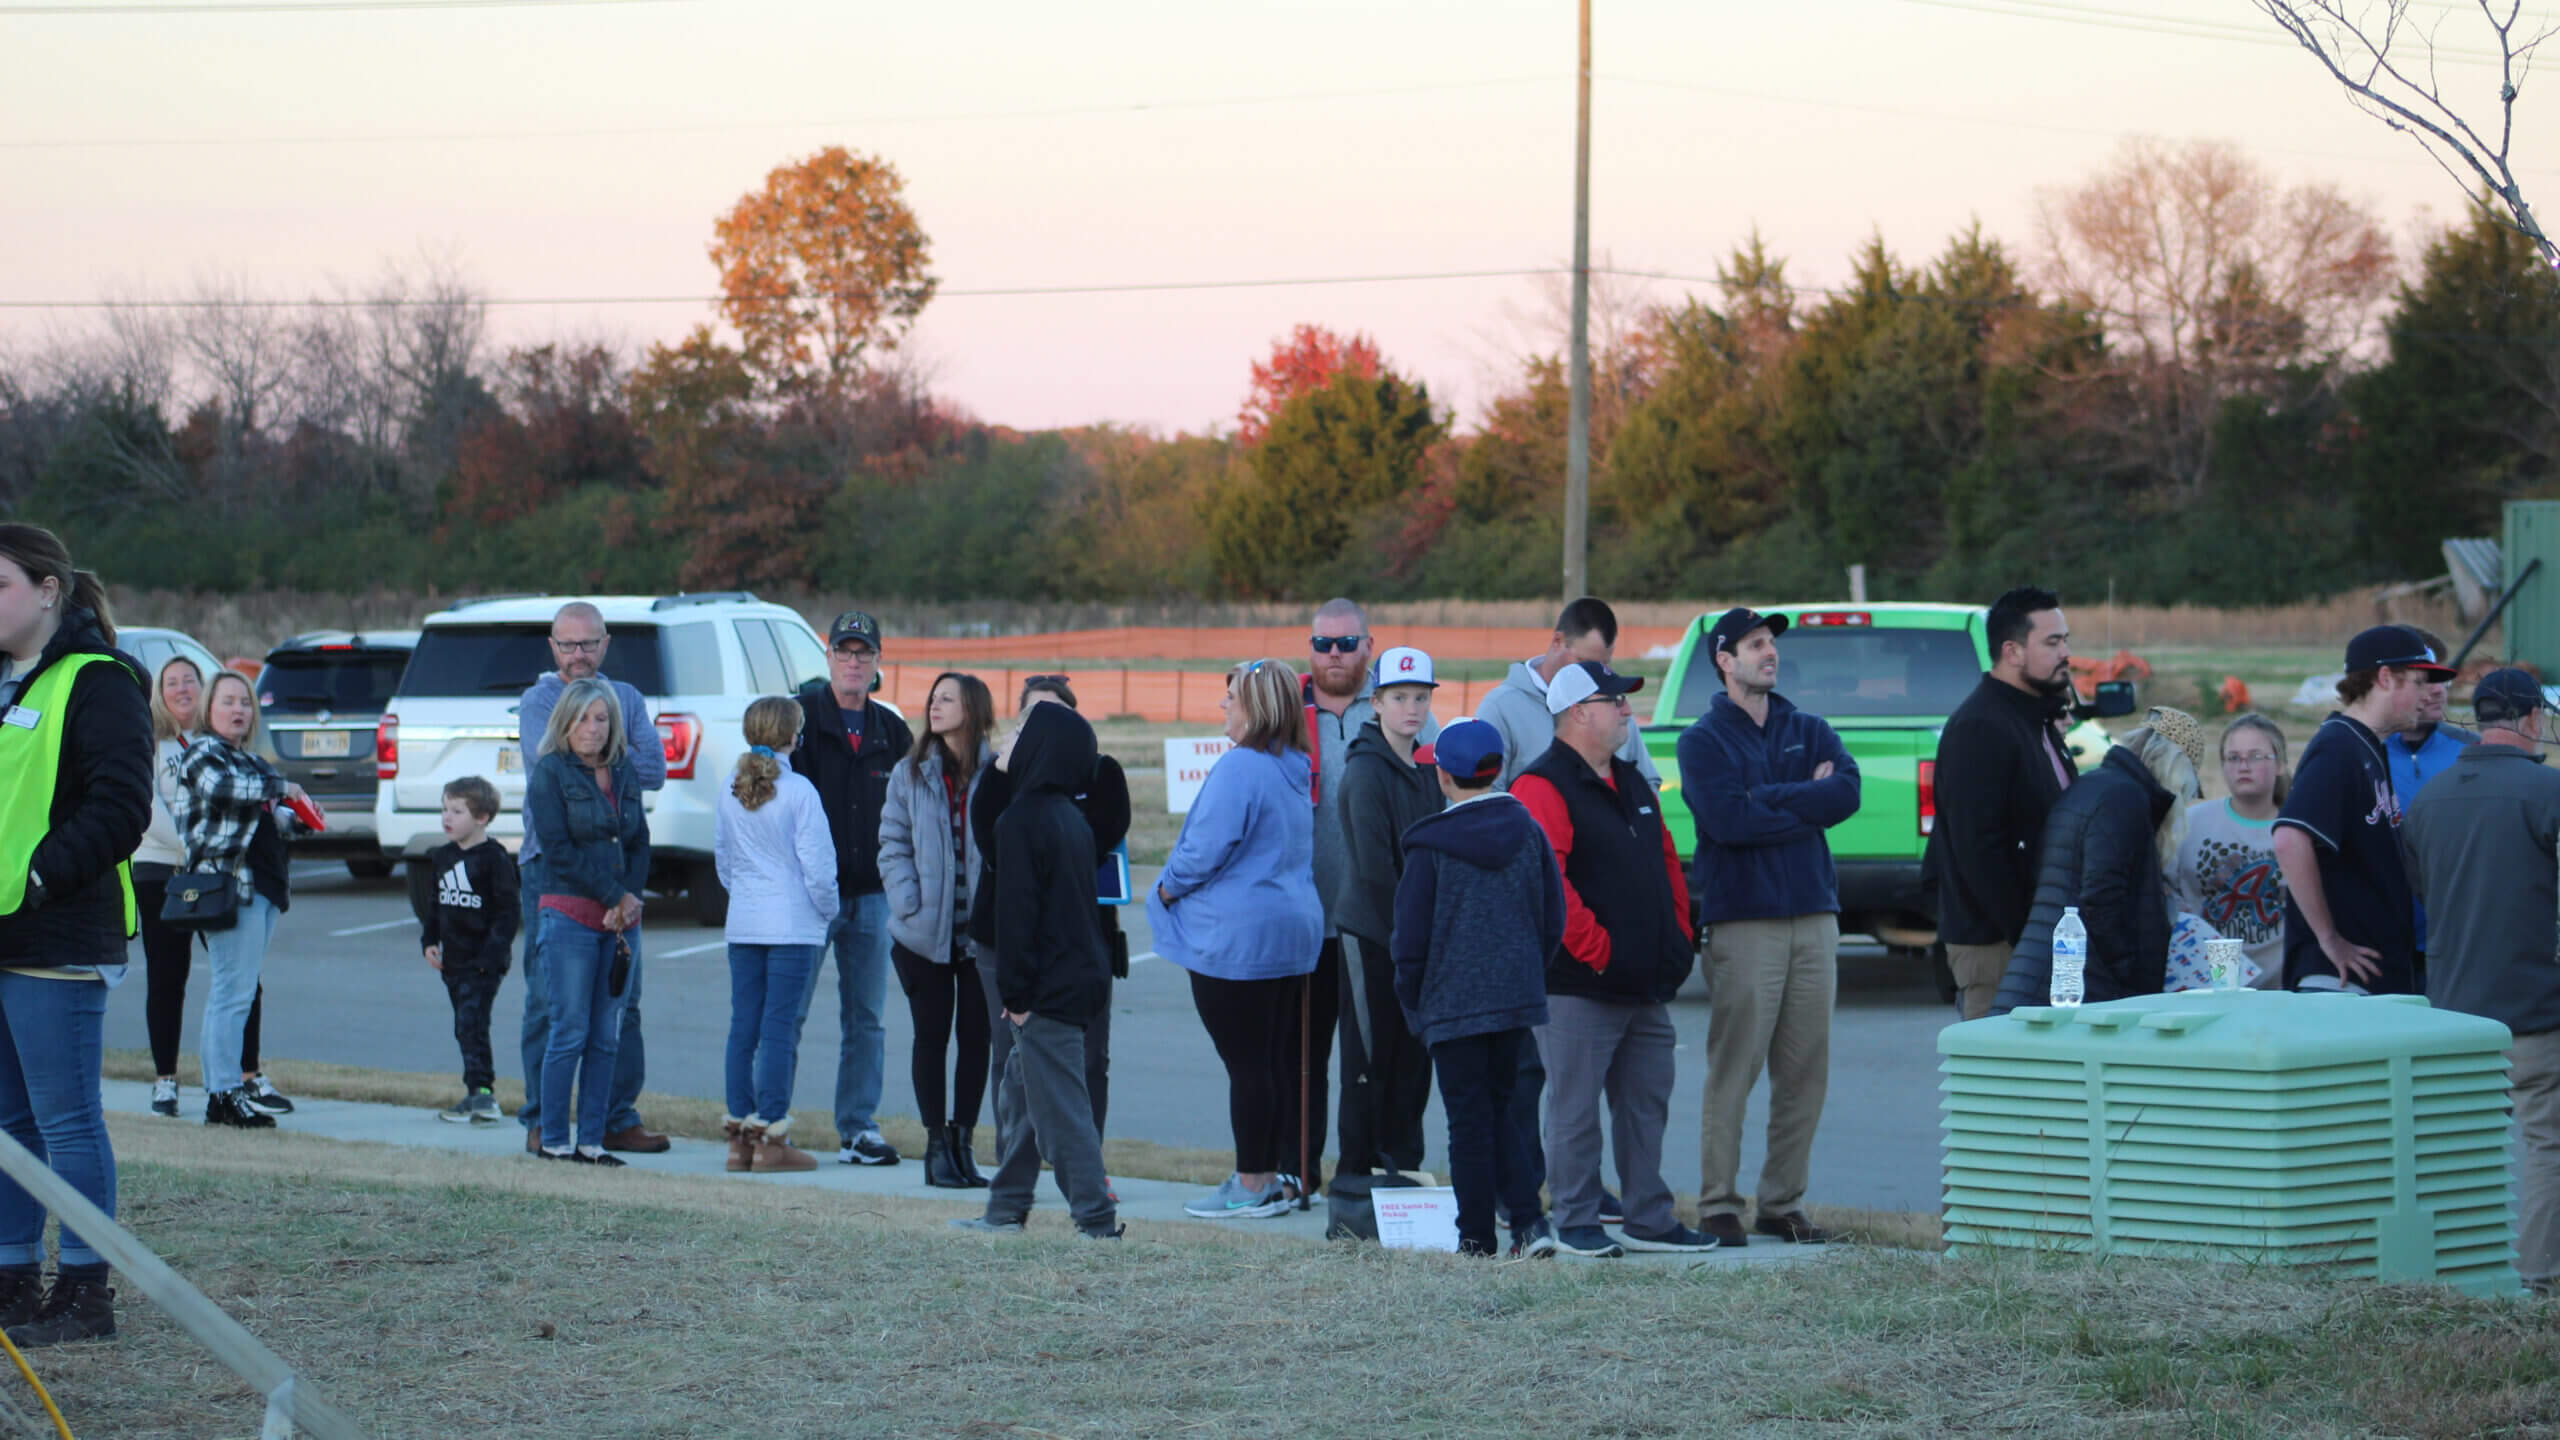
[164, 1096]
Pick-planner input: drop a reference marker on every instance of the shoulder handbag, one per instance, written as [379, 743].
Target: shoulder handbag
[201, 900]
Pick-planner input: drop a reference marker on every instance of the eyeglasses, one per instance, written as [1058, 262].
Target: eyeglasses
[2254, 757]
[857, 650]
[1620, 701]
[1335, 644]
[578, 647]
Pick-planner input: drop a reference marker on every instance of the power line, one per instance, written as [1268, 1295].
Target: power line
[316, 7]
[2179, 26]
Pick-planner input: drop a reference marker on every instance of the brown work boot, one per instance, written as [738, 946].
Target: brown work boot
[742, 1150]
[1727, 1229]
[1793, 1228]
[638, 1139]
[774, 1150]
[533, 1139]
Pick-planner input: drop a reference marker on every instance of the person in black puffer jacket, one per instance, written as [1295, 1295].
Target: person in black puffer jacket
[2106, 848]
[75, 794]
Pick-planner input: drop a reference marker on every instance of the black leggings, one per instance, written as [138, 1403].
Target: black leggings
[942, 999]
[166, 956]
[1254, 1024]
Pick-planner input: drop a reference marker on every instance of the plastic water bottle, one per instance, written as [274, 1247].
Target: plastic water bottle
[2070, 958]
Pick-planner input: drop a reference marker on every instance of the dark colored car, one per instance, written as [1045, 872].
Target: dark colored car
[322, 695]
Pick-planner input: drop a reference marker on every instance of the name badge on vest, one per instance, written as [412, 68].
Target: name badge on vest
[21, 716]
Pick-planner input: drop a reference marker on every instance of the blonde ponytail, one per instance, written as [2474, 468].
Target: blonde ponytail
[772, 723]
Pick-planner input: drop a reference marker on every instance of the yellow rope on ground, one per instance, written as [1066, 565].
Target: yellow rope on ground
[60, 1427]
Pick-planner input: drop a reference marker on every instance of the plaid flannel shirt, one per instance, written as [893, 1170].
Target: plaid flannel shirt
[223, 791]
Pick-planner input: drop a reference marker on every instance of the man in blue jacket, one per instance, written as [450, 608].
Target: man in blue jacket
[1764, 780]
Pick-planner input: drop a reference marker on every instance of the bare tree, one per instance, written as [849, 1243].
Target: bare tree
[2208, 280]
[2391, 68]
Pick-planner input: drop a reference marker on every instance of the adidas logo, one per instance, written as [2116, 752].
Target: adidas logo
[455, 890]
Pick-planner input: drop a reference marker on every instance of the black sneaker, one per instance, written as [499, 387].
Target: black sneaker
[605, 1158]
[232, 1107]
[1535, 1240]
[1587, 1242]
[164, 1096]
[265, 1098]
[76, 1308]
[1114, 1233]
[867, 1148]
[1611, 1212]
[1676, 1239]
[21, 1294]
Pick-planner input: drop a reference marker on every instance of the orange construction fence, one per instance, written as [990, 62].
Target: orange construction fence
[1247, 642]
[1173, 697]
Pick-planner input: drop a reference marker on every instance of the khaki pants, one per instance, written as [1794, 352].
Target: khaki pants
[2536, 1094]
[1978, 970]
[1773, 983]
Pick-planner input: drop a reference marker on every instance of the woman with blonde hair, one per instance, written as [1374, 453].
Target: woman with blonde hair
[2226, 870]
[778, 860]
[2107, 847]
[1237, 907]
[582, 805]
[930, 867]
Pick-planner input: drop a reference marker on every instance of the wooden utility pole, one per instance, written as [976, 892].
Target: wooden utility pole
[1577, 434]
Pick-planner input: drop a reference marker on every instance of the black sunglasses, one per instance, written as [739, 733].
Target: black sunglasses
[1335, 644]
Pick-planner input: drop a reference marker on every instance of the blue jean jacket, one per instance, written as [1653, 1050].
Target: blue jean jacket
[591, 848]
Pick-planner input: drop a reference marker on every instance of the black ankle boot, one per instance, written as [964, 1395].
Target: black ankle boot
[940, 1170]
[21, 1294]
[964, 1155]
[80, 1306]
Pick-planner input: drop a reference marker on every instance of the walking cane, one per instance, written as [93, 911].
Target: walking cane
[1306, 1045]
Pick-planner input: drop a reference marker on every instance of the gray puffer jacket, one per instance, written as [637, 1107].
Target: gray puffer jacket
[917, 866]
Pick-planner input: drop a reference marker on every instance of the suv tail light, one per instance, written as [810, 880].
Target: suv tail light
[1928, 796]
[386, 748]
[1836, 617]
[682, 737]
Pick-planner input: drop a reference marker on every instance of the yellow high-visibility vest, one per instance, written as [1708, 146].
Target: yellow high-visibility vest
[30, 764]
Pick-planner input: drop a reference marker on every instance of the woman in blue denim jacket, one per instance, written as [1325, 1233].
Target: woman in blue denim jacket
[582, 804]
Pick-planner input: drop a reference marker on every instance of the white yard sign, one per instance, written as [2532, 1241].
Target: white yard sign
[1186, 765]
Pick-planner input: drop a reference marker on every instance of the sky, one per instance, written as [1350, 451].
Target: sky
[575, 153]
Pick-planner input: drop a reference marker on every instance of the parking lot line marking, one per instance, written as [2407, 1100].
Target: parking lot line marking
[369, 929]
[694, 949]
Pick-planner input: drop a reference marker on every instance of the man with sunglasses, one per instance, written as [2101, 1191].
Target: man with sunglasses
[578, 644]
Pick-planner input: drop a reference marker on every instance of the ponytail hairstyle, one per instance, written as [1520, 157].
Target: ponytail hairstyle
[41, 554]
[978, 721]
[2275, 741]
[772, 723]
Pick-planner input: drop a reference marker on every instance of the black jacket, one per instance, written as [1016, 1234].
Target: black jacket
[853, 783]
[1050, 959]
[466, 902]
[101, 804]
[2100, 853]
[1104, 803]
[1382, 797]
[1995, 785]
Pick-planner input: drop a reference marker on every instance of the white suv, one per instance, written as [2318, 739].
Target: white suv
[699, 659]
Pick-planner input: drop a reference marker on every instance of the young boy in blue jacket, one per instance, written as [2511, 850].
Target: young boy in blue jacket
[1479, 910]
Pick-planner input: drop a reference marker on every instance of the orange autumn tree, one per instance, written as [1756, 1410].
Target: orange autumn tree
[821, 267]
[1305, 361]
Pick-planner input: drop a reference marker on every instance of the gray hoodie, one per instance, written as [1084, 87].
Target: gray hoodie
[1518, 708]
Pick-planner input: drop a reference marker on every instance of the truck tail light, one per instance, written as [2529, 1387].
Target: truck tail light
[1928, 796]
[386, 748]
[682, 737]
[1836, 617]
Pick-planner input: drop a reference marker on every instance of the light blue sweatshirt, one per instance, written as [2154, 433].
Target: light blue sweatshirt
[1243, 874]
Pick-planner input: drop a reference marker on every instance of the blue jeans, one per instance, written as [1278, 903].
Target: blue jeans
[52, 1039]
[586, 1029]
[630, 1063]
[860, 936]
[766, 986]
[232, 961]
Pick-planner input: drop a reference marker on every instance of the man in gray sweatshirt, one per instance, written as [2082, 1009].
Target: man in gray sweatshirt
[1517, 708]
[2484, 848]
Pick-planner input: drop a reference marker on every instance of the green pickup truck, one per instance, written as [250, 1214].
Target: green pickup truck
[1886, 677]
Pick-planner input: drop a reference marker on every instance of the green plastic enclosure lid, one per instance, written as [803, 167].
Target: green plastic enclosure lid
[2266, 1030]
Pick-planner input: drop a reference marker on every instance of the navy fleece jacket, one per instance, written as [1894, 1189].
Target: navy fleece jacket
[1760, 813]
[1479, 910]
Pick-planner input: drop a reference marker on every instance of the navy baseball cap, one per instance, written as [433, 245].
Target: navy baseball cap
[2509, 694]
[1469, 750]
[856, 626]
[1739, 621]
[2396, 647]
[1581, 681]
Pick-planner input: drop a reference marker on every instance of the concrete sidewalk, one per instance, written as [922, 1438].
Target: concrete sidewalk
[1143, 1203]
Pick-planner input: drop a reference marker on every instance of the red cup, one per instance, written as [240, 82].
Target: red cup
[308, 813]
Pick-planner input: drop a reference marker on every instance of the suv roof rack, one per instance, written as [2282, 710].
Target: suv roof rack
[467, 601]
[705, 597]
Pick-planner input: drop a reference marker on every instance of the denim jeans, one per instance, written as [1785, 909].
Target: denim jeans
[232, 961]
[766, 986]
[860, 937]
[52, 1038]
[630, 1065]
[586, 1029]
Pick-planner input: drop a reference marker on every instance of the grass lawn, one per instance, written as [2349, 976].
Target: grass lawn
[438, 1295]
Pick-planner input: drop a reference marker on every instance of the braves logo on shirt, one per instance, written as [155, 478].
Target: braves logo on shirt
[2386, 806]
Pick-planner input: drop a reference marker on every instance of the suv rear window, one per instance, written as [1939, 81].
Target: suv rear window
[467, 660]
[346, 681]
[1848, 673]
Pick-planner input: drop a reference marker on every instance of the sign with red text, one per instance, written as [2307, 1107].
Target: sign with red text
[1186, 766]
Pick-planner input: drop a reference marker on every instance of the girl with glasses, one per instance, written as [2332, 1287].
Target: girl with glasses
[2226, 870]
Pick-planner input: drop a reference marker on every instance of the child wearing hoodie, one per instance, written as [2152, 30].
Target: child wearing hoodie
[1052, 975]
[1479, 910]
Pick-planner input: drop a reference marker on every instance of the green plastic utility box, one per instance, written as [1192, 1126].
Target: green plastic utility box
[2367, 1133]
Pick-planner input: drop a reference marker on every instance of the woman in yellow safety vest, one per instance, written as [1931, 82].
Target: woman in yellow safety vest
[75, 793]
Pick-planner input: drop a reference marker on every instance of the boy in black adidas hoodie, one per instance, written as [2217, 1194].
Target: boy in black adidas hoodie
[466, 903]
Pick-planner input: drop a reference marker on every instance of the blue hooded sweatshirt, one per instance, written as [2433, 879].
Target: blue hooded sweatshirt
[1242, 877]
[1760, 813]
[1479, 910]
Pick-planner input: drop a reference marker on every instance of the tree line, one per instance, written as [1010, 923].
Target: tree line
[2192, 384]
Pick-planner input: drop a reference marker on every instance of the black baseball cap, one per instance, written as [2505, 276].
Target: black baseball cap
[2396, 647]
[1739, 621]
[2509, 694]
[853, 625]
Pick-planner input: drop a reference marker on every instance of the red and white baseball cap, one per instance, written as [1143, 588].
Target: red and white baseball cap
[1404, 665]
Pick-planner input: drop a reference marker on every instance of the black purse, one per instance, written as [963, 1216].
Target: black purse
[201, 900]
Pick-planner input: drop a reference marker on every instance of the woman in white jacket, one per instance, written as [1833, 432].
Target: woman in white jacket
[778, 861]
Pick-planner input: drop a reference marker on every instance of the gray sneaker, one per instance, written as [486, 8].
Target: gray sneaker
[981, 1225]
[1231, 1201]
[484, 1108]
[458, 1113]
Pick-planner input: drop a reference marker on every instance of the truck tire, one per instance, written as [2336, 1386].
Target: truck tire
[375, 867]
[710, 898]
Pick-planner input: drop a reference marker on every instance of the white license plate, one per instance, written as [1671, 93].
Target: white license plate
[324, 744]
[510, 759]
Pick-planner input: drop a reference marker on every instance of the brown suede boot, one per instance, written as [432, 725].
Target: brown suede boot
[742, 1150]
[774, 1150]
